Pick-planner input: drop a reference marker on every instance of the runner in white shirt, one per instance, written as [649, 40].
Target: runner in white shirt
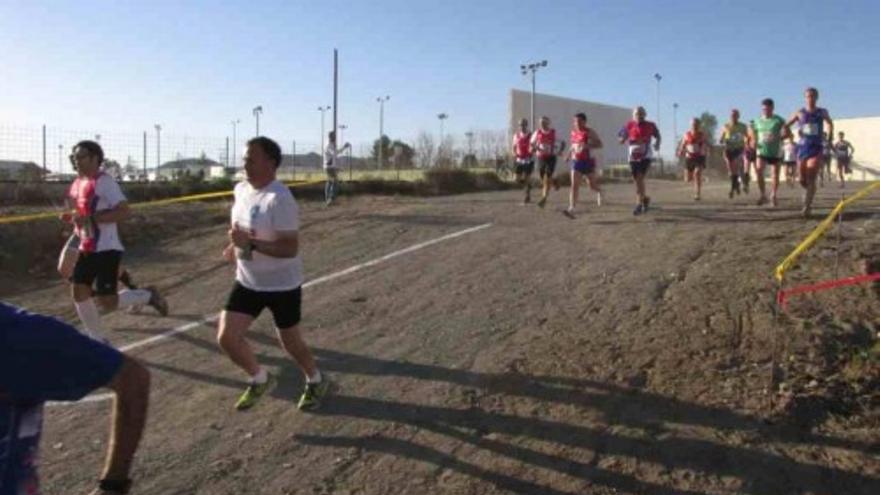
[789, 158]
[331, 157]
[97, 205]
[264, 244]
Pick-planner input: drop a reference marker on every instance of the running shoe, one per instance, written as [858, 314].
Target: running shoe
[568, 213]
[542, 202]
[254, 392]
[645, 205]
[313, 394]
[640, 208]
[158, 302]
[805, 212]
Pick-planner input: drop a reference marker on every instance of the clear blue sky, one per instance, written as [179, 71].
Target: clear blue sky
[195, 65]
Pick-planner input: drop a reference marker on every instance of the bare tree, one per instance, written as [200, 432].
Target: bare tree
[425, 149]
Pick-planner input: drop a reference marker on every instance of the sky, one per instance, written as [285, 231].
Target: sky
[194, 66]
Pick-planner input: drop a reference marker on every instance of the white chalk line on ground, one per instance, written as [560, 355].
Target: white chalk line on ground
[310, 283]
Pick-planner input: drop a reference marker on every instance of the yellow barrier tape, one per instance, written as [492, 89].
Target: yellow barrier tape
[820, 230]
[159, 202]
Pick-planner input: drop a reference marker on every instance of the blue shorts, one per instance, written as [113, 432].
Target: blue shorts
[809, 150]
[585, 167]
[41, 359]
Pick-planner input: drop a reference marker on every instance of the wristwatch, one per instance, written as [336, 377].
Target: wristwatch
[115, 486]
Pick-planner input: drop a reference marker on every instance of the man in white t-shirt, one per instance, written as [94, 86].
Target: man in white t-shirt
[264, 244]
[331, 157]
[97, 205]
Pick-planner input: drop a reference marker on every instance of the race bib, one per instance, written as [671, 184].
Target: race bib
[735, 138]
[637, 152]
[766, 137]
[810, 130]
[692, 149]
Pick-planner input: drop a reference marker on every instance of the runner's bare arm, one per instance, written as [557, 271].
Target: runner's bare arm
[132, 387]
[791, 121]
[116, 214]
[561, 147]
[285, 246]
[830, 123]
[657, 139]
[595, 141]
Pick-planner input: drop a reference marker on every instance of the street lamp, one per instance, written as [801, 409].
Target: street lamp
[234, 140]
[322, 110]
[533, 68]
[442, 117]
[257, 111]
[381, 100]
[60, 150]
[675, 122]
[158, 148]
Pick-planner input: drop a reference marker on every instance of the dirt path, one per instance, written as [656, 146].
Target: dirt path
[608, 354]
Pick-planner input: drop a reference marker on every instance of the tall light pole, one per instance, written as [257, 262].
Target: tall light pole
[442, 117]
[257, 111]
[234, 140]
[658, 77]
[158, 148]
[675, 123]
[532, 68]
[381, 100]
[60, 149]
[322, 110]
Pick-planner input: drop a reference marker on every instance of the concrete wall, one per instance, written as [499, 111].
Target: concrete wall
[864, 134]
[605, 119]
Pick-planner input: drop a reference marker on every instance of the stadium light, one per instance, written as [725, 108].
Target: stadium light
[257, 111]
[381, 100]
[234, 140]
[532, 68]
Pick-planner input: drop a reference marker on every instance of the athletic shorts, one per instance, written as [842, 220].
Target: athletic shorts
[809, 150]
[771, 160]
[695, 162]
[733, 154]
[546, 166]
[524, 168]
[332, 173]
[100, 269]
[639, 167]
[790, 164]
[585, 167]
[751, 155]
[286, 306]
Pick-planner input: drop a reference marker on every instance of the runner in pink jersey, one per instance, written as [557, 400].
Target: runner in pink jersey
[583, 139]
[546, 148]
[637, 135]
[522, 153]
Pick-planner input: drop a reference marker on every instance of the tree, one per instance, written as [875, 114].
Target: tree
[403, 154]
[709, 123]
[384, 143]
[425, 149]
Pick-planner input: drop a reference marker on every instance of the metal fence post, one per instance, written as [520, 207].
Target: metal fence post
[44, 151]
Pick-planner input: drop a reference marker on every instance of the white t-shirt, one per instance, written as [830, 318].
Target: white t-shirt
[106, 196]
[330, 156]
[267, 212]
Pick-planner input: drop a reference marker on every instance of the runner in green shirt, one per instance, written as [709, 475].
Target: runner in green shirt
[766, 135]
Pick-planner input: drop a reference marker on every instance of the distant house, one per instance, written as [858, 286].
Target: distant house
[195, 167]
[18, 170]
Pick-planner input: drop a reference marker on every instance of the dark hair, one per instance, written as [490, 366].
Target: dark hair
[812, 90]
[269, 147]
[768, 102]
[93, 148]
[580, 115]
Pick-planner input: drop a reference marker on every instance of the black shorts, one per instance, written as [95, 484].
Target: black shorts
[546, 166]
[732, 154]
[771, 160]
[286, 306]
[751, 155]
[640, 167]
[100, 269]
[790, 164]
[695, 163]
[525, 168]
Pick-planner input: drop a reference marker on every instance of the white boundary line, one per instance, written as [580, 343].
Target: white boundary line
[310, 283]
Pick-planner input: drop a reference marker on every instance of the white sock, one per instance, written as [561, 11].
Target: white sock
[91, 319]
[316, 378]
[260, 378]
[133, 297]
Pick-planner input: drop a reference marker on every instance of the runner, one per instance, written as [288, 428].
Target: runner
[522, 153]
[844, 151]
[733, 138]
[693, 148]
[99, 205]
[827, 153]
[810, 120]
[751, 156]
[637, 135]
[583, 139]
[765, 135]
[331, 155]
[789, 158]
[44, 359]
[545, 146]
[264, 243]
